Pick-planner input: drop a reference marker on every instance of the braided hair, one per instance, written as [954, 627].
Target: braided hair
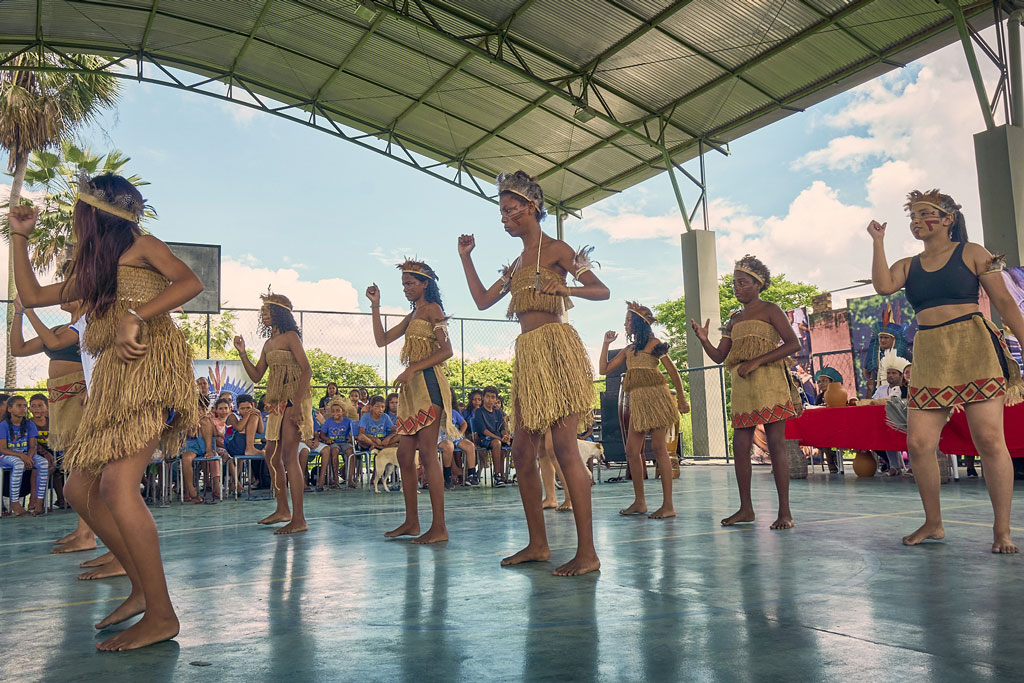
[753, 263]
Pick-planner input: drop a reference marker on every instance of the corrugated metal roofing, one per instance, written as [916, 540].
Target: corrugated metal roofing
[490, 85]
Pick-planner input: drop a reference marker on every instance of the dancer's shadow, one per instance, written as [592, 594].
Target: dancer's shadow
[424, 625]
[291, 643]
[561, 626]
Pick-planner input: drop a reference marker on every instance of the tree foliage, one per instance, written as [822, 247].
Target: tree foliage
[672, 314]
[222, 332]
[327, 368]
[479, 374]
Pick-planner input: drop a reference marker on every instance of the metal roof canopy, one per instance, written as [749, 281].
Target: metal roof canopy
[590, 96]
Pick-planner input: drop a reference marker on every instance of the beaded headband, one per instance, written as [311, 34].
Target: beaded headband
[521, 184]
[641, 310]
[417, 268]
[271, 299]
[123, 206]
[933, 198]
[751, 273]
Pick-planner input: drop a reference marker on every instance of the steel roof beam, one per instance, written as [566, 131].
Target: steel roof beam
[248, 39]
[533, 80]
[860, 41]
[370, 30]
[577, 198]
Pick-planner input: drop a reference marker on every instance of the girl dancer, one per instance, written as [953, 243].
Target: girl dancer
[960, 357]
[424, 398]
[651, 406]
[141, 394]
[762, 390]
[552, 382]
[289, 402]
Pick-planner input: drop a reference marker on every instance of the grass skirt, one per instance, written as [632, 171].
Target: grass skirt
[767, 394]
[283, 391]
[652, 408]
[963, 361]
[66, 396]
[551, 378]
[417, 409]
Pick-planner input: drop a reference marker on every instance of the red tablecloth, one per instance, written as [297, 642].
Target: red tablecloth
[863, 427]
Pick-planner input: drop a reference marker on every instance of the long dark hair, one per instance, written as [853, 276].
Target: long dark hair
[641, 334]
[10, 425]
[280, 316]
[100, 240]
[433, 293]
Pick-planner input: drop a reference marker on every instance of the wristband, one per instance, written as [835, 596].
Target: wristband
[18, 234]
[132, 311]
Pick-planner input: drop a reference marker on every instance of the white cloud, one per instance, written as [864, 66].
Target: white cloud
[242, 282]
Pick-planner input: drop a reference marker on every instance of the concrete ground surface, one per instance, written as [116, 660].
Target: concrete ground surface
[838, 598]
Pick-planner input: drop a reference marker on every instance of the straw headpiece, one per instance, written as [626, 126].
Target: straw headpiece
[417, 268]
[934, 199]
[124, 206]
[642, 311]
[272, 299]
[519, 183]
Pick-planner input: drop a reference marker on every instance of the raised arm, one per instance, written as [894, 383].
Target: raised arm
[718, 353]
[52, 340]
[884, 279]
[19, 347]
[22, 220]
[380, 337]
[604, 366]
[483, 298]
[257, 371]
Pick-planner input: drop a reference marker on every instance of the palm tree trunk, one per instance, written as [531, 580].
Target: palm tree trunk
[10, 368]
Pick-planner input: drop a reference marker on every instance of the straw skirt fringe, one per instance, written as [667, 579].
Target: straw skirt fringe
[551, 378]
[963, 361]
[66, 397]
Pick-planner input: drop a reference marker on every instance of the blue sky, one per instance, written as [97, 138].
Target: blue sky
[320, 219]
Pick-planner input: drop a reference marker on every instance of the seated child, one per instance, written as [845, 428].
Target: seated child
[489, 424]
[18, 436]
[376, 431]
[337, 433]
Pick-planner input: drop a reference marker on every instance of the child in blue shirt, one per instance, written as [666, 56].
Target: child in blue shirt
[336, 433]
[376, 430]
[18, 437]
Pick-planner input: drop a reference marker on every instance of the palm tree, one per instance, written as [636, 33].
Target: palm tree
[57, 176]
[43, 98]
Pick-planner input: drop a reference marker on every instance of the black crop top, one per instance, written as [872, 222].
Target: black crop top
[71, 354]
[953, 283]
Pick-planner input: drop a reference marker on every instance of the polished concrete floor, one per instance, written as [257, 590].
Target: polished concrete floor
[837, 598]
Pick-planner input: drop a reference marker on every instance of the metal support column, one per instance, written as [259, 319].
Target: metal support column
[675, 188]
[1015, 68]
[559, 227]
[972, 60]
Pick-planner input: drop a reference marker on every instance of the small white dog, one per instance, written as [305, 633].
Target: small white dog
[591, 452]
[385, 460]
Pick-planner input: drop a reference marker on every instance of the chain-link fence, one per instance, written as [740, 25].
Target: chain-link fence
[329, 336]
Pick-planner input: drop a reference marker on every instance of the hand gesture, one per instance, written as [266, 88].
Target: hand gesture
[683, 405]
[877, 230]
[22, 219]
[701, 331]
[239, 345]
[554, 288]
[18, 306]
[404, 378]
[466, 244]
[126, 342]
[746, 368]
[610, 336]
[373, 294]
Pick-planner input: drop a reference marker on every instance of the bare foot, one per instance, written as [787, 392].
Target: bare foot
[739, 517]
[65, 539]
[294, 527]
[783, 522]
[407, 529]
[578, 566]
[126, 610]
[566, 506]
[528, 554]
[97, 561]
[148, 631]
[276, 518]
[638, 507]
[1003, 544]
[432, 536]
[549, 503]
[18, 510]
[664, 512]
[105, 571]
[76, 544]
[932, 531]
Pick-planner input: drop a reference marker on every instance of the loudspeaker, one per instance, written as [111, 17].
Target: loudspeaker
[612, 437]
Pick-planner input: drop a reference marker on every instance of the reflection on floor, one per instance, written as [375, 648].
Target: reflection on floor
[682, 599]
